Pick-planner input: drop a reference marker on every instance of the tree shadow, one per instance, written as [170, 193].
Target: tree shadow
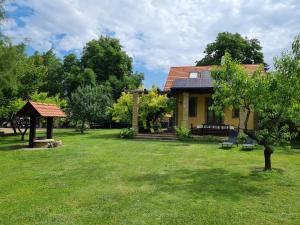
[13, 147]
[105, 136]
[216, 183]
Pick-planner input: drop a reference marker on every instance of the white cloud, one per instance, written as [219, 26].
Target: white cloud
[158, 33]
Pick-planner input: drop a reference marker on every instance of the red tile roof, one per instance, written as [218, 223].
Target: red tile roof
[41, 109]
[182, 72]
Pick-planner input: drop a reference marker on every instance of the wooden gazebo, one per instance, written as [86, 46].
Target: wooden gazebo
[36, 110]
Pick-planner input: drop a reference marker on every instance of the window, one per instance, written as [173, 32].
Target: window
[193, 75]
[235, 113]
[192, 107]
[205, 74]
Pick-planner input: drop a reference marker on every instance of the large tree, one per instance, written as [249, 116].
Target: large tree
[244, 50]
[2, 12]
[31, 75]
[54, 75]
[74, 75]
[111, 64]
[10, 56]
[107, 58]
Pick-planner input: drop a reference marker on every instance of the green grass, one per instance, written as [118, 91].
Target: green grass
[97, 178]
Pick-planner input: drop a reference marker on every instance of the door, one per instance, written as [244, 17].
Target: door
[211, 117]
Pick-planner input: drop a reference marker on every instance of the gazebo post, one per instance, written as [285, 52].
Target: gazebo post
[135, 112]
[32, 132]
[49, 127]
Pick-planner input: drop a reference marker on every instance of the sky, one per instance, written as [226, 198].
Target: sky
[157, 34]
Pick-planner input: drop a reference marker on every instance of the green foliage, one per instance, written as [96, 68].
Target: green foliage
[89, 104]
[111, 65]
[152, 108]
[275, 96]
[121, 111]
[183, 133]
[54, 74]
[10, 56]
[106, 58]
[278, 98]
[241, 49]
[127, 133]
[44, 97]
[31, 74]
[75, 75]
[234, 87]
[242, 137]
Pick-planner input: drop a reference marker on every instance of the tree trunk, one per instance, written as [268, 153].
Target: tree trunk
[82, 126]
[246, 120]
[13, 125]
[267, 153]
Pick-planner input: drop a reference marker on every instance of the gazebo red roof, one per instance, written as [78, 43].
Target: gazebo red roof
[41, 110]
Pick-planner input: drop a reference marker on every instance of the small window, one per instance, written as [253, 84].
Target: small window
[192, 107]
[235, 113]
[193, 75]
[205, 73]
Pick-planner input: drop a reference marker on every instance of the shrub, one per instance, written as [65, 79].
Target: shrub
[242, 137]
[183, 133]
[127, 133]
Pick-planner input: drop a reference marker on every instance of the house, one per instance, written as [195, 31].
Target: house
[192, 87]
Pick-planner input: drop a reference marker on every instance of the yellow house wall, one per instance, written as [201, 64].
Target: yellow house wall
[201, 113]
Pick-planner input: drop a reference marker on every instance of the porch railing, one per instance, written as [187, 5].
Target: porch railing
[212, 129]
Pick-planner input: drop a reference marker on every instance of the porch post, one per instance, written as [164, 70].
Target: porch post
[185, 110]
[49, 127]
[32, 131]
[135, 112]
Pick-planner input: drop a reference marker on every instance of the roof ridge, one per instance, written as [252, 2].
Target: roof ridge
[42, 103]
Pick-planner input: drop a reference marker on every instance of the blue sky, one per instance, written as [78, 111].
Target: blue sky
[157, 34]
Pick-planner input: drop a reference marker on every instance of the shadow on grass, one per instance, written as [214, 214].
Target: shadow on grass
[105, 136]
[13, 147]
[259, 172]
[217, 183]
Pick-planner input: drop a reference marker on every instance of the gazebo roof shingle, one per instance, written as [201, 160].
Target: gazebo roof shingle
[41, 109]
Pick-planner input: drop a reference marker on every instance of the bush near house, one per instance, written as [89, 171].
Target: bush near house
[127, 133]
[183, 133]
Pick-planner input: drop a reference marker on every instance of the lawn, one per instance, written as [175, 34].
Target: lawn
[97, 178]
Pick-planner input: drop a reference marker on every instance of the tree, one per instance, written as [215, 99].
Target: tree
[153, 106]
[278, 101]
[128, 82]
[2, 12]
[233, 88]
[106, 58]
[10, 56]
[75, 75]
[246, 51]
[275, 97]
[121, 111]
[88, 104]
[54, 75]
[31, 74]
[111, 65]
